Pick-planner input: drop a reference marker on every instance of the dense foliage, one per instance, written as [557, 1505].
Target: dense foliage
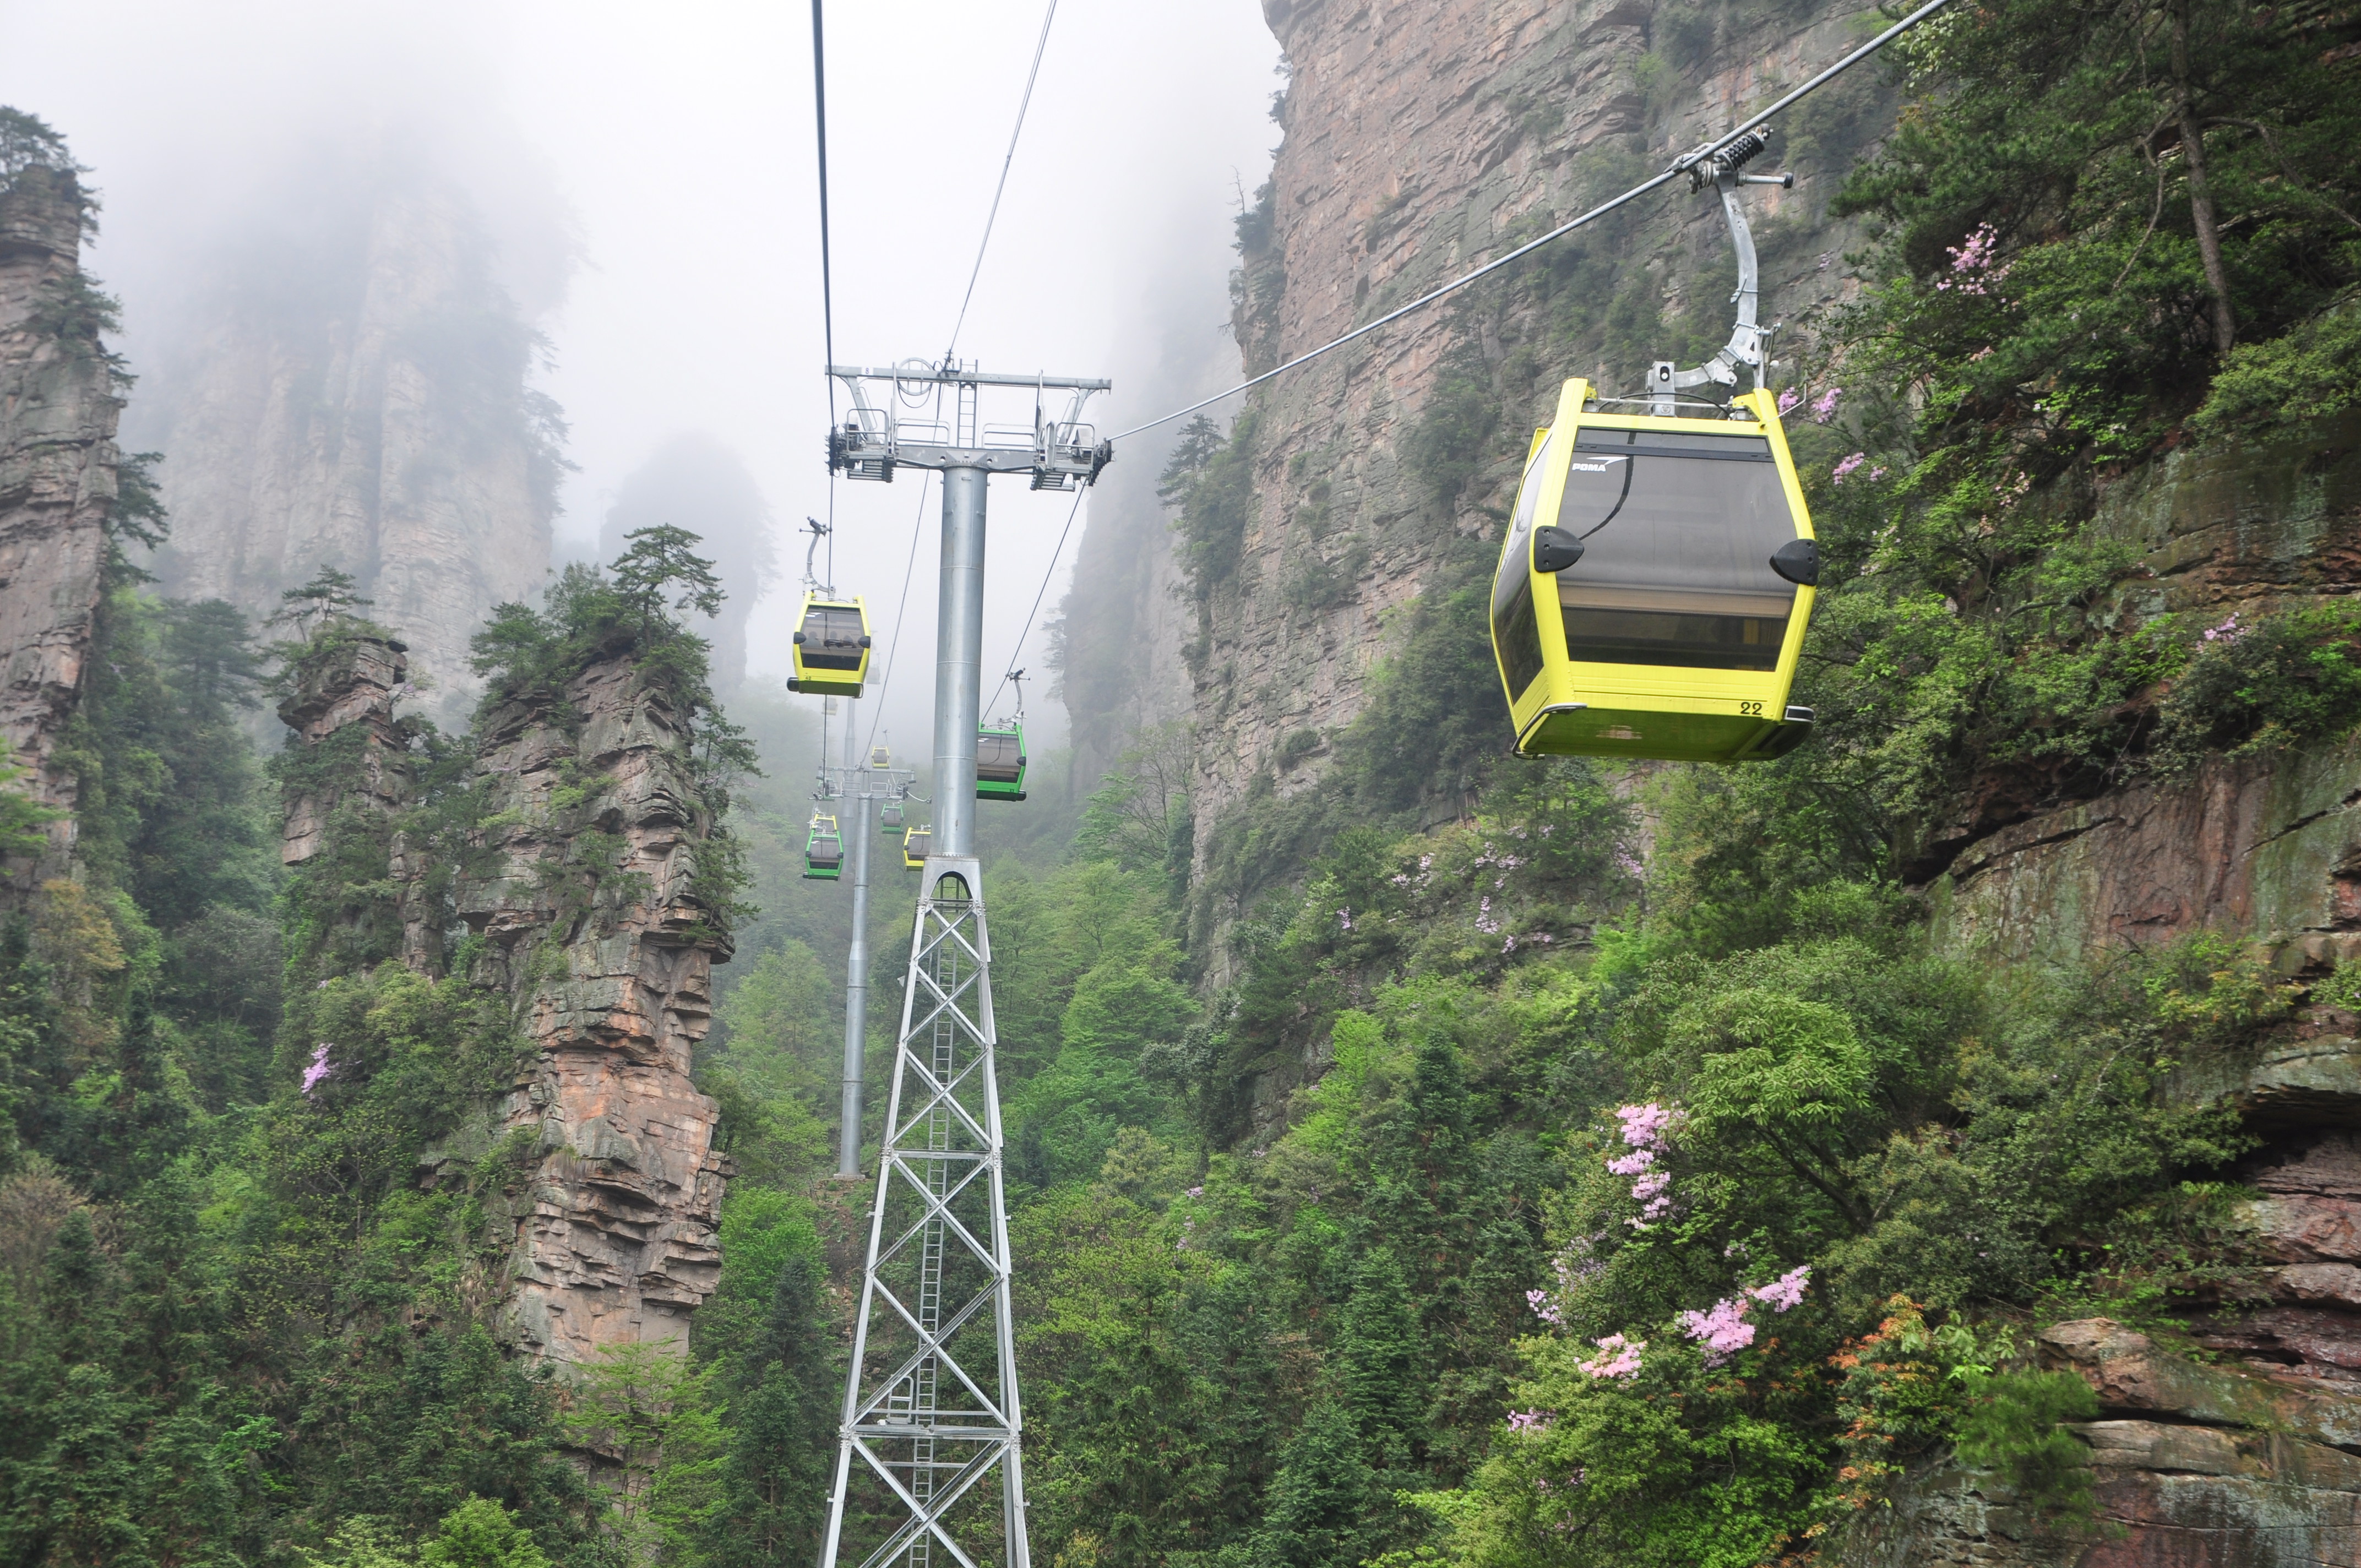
[234, 1326]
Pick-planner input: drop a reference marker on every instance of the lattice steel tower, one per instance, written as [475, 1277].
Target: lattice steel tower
[931, 1404]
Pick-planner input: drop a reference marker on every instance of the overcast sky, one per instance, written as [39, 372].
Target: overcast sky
[677, 138]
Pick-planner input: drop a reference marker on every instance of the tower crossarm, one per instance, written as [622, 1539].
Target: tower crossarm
[931, 416]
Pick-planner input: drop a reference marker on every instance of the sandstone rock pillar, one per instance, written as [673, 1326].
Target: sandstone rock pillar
[58, 460]
[590, 903]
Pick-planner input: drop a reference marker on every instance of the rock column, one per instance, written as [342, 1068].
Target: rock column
[594, 926]
[58, 411]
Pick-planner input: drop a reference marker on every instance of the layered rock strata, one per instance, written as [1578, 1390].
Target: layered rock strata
[354, 687]
[2194, 1466]
[580, 878]
[587, 901]
[58, 470]
[362, 776]
[2267, 846]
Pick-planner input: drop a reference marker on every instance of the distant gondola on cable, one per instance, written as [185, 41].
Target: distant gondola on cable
[999, 753]
[1659, 568]
[1000, 762]
[889, 819]
[831, 640]
[824, 850]
[915, 845]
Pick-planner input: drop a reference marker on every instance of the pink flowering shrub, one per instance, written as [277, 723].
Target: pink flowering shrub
[1972, 271]
[1723, 1327]
[1645, 1125]
[1847, 466]
[1644, 1132]
[318, 1069]
[1650, 1190]
[1824, 407]
[1618, 1357]
[1785, 1291]
[1789, 398]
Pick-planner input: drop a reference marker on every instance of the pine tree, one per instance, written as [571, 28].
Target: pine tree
[1317, 1513]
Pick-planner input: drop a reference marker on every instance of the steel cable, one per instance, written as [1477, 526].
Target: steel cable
[1682, 166]
[917, 526]
[1040, 47]
[1018, 652]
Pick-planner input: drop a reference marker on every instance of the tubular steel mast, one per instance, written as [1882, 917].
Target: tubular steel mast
[931, 1403]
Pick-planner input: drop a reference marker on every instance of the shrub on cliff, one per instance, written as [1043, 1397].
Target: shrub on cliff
[2262, 683]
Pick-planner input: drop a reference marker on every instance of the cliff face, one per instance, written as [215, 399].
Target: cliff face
[1419, 143]
[359, 403]
[2267, 846]
[594, 926]
[579, 879]
[58, 411]
[2250, 1459]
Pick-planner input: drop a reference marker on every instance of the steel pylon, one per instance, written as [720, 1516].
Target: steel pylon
[930, 1406]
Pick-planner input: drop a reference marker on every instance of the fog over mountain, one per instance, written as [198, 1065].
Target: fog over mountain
[644, 198]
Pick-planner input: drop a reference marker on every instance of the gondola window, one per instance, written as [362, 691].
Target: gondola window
[1677, 533]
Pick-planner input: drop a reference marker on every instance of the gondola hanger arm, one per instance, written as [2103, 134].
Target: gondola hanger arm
[1749, 346]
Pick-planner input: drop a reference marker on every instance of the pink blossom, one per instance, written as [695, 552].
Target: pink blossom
[1878, 473]
[1196, 1192]
[318, 1069]
[1530, 1420]
[1785, 1291]
[1789, 398]
[1632, 1164]
[1399, 879]
[1345, 917]
[1545, 1307]
[1509, 945]
[1824, 407]
[1723, 1327]
[2228, 631]
[1847, 466]
[1971, 263]
[1644, 1125]
[1628, 863]
[1618, 1358]
[1649, 1189]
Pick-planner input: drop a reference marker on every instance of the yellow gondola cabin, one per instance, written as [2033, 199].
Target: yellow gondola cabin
[831, 647]
[1656, 583]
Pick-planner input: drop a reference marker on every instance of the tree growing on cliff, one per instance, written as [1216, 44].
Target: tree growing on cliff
[658, 560]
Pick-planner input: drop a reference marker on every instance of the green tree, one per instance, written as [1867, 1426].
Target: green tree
[657, 561]
[1319, 1511]
[479, 1533]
